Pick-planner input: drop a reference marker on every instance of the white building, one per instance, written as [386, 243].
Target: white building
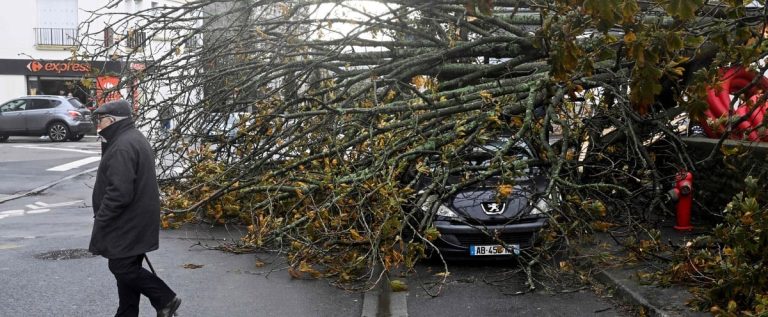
[39, 48]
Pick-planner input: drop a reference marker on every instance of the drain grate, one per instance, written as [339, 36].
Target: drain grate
[66, 254]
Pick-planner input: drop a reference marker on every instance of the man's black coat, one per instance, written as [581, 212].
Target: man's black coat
[126, 199]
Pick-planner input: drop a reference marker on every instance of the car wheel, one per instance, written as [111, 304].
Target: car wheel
[77, 137]
[58, 132]
[3, 138]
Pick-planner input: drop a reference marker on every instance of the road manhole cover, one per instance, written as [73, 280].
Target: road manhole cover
[67, 254]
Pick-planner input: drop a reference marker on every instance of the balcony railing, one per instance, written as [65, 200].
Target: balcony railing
[136, 39]
[55, 37]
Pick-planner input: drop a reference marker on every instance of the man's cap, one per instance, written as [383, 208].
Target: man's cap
[117, 108]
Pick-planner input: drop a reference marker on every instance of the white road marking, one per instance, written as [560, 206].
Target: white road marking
[75, 164]
[15, 212]
[58, 204]
[55, 149]
[36, 208]
[37, 211]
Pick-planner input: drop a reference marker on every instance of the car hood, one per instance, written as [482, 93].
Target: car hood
[483, 205]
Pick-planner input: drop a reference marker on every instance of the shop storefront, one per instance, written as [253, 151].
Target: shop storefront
[91, 82]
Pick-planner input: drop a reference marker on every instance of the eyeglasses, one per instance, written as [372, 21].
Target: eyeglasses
[102, 117]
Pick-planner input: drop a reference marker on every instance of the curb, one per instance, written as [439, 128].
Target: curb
[654, 300]
[371, 303]
[381, 301]
[46, 186]
[629, 296]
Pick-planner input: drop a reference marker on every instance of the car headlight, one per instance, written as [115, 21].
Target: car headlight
[541, 207]
[442, 210]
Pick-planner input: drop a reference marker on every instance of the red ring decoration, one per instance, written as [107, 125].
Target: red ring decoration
[719, 100]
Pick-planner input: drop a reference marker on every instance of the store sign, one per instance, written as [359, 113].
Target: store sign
[34, 66]
[107, 89]
[58, 67]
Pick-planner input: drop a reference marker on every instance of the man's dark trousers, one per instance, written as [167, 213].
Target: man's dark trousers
[133, 281]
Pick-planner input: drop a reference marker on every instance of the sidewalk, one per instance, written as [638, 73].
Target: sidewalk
[215, 283]
[652, 300]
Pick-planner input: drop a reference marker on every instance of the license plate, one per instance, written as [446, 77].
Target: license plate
[479, 250]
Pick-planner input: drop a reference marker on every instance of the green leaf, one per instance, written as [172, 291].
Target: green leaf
[697, 107]
[606, 12]
[674, 41]
[628, 10]
[683, 9]
[645, 84]
[693, 41]
[398, 286]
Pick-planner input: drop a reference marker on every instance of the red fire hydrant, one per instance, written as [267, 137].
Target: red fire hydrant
[683, 193]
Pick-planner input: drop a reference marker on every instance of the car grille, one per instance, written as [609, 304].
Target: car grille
[493, 222]
[522, 238]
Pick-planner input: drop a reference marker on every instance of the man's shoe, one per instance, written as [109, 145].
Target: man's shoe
[170, 309]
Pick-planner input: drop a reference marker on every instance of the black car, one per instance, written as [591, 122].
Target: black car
[495, 215]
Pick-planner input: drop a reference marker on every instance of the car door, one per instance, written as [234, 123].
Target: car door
[38, 113]
[11, 117]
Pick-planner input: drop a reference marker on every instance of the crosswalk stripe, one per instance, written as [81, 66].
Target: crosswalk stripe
[37, 211]
[12, 212]
[55, 149]
[66, 203]
[75, 164]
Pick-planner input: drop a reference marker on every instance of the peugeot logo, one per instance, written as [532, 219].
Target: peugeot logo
[493, 208]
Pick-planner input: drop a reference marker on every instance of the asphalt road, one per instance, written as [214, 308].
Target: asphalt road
[211, 283]
[29, 162]
[44, 270]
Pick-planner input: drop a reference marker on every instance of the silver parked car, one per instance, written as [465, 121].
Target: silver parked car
[60, 118]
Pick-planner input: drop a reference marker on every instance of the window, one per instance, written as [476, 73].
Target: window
[14, 105]
[136, 39]
[109, 37]
[56, 23]
[38, 104]
[192, 43]
[75, 102]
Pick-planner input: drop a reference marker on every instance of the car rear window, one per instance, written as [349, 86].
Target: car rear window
[75, 102]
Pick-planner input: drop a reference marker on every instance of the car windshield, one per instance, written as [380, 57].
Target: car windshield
[478, 159]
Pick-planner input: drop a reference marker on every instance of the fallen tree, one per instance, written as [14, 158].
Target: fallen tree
[344, 100]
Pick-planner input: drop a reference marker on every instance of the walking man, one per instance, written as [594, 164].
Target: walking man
[126, 205]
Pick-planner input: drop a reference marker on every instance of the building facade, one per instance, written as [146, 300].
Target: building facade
[42, 43]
